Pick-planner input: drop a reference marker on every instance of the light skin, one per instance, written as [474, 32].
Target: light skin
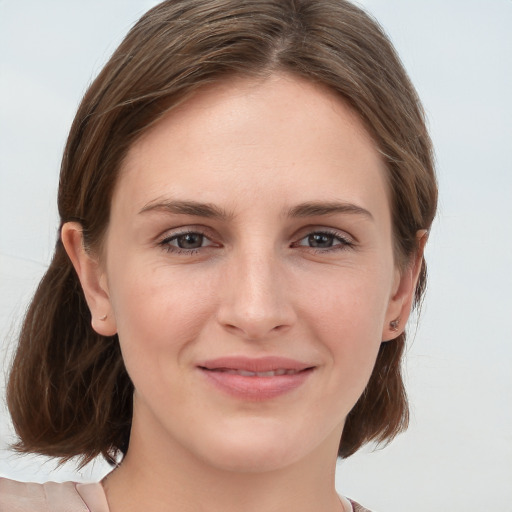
[253, 220]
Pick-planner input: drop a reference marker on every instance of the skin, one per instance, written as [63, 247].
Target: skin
[269, 277]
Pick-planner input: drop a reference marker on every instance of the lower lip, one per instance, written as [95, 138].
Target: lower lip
[256, 388]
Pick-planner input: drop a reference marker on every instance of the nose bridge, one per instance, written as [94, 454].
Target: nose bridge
[255, 303]
[258, 279]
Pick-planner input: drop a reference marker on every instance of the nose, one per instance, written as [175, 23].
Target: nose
[255, 301]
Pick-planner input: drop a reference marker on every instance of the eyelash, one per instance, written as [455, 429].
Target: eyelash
[345, 242]
[166, 242]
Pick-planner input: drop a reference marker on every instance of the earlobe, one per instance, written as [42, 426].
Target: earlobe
[92, 278]
[400, 304]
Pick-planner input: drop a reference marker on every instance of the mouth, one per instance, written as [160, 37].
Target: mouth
[256, 378]
[268, 366]
[245, 373]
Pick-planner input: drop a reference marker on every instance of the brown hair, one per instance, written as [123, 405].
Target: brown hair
[68, 392]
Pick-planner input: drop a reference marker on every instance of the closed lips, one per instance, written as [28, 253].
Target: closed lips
[255, 379]
[267, 366]
[246, 373]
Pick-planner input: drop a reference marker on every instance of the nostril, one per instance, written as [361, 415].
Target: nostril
[233, 328]
[254, 332]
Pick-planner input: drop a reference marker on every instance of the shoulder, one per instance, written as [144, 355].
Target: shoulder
[31, 497]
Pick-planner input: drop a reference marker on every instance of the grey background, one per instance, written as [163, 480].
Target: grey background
[457, 453]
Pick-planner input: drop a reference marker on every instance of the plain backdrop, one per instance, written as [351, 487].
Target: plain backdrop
[457, 454]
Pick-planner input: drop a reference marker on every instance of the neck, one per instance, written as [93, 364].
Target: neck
[166, 477]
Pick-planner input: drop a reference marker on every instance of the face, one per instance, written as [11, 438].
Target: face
[248, 270]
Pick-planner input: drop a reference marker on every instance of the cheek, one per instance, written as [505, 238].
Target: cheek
[346, 318]
[157, 311]
[348, 304]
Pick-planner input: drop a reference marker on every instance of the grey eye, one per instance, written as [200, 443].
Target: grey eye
[321, 240]
[189, 241]
[324, 240]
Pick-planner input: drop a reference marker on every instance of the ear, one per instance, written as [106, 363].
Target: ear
[404, 288]
[92, 278]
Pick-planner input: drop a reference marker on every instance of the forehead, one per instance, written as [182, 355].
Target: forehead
[282, 137]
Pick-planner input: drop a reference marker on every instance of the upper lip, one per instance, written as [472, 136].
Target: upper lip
[254, 364]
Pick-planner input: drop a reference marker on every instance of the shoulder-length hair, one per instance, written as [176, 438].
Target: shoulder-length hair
[69, 393]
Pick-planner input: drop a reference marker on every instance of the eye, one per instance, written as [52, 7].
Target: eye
[324, 240]
[186, 242]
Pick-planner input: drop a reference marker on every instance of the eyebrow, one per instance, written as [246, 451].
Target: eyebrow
[186, 208]
[308, 209]
[318, 208]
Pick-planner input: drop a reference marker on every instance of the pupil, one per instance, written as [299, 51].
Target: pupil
[320, 240]
[190, 241]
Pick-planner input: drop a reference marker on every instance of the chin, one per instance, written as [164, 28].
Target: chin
[258, 448]
[253, 459]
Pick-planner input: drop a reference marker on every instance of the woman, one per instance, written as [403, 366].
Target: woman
[245, 197]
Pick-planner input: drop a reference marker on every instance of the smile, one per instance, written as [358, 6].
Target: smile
[255, 379]
[245, 373]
